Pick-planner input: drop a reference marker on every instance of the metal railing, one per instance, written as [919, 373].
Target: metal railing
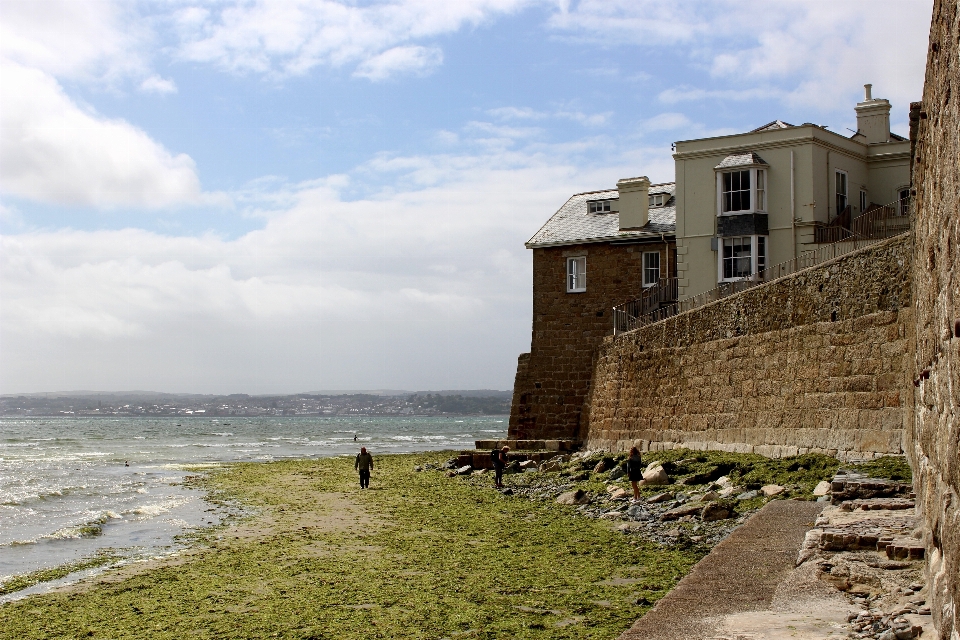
[874, 226]
[876, 222]
[653, 298]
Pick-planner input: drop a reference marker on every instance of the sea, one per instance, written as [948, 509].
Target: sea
[72, 488]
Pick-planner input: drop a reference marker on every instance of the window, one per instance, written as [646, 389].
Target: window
[736, 191]
[651, 268]
[742, 257]
[599, 206]
[841, 191]
[904, 196]
[742, 191]
[863, 200]
[658, 199]
[577, 274]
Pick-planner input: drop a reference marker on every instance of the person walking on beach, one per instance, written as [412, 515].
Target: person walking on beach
[364, 465]
[635, 472]
[499, 462]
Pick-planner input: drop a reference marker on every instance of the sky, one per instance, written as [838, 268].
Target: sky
[289, 196]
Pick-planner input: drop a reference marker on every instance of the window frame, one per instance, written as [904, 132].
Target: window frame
[576, 278]
[838, 174]
[903, 208]
[645, 268]
[863, 200]
[758, 190]
[657, 199]
[759, 257]
[600, 206]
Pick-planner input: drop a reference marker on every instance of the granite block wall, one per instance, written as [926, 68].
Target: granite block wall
[934, 435]
[818, 361]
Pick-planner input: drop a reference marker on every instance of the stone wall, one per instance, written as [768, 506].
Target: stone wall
[817, 361]
[553, 379]
[935, 433]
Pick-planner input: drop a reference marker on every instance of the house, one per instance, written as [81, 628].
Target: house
[740, 204]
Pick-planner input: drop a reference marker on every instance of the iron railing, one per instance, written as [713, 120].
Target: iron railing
[665, 292]
[874, 226]
[876, 222]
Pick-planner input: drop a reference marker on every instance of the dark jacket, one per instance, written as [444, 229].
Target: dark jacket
[364, 462]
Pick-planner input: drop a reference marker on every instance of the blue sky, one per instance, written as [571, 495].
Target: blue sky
[291, 196]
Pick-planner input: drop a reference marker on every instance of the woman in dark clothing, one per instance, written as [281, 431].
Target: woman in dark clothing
[635, 472]
[499, 462]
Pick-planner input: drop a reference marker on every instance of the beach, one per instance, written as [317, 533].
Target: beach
[418, 555]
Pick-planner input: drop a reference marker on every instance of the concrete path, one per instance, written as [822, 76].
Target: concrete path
[740, 574]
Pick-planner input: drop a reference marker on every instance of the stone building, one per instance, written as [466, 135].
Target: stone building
[600, 249]
[740, 203]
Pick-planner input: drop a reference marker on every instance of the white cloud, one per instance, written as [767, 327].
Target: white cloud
[53, 151]
[291, 38]
[667, 122]
[400, 61]
[156, 84]
[526, 113]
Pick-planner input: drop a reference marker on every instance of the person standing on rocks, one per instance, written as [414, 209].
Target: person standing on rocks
[364, 465]
[635, 472]
[499, 462]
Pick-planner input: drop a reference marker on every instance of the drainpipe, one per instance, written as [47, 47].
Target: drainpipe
[793, 206]
[666, 252]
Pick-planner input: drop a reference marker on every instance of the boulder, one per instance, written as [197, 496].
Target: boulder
[578, 496]
[635, 511]
[822, 489]
[772, 489]
[653, 465]
[604, 465]
[550, 465]
[526, 464]
[747, 495]
[619, 494]
[464, 470]
[655, 476]
[660, 497]
[714, 511]
[513, 467]
[723, 482]
[617, 473]
[710, 496]
[726, 492]
[689, 509]
[418, 468]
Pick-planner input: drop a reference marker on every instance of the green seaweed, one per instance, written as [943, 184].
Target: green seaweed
[27, 580]
[890, 467]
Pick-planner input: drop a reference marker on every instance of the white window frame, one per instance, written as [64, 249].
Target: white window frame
[658, 199]
[599, 206]
[758, 190]
[903, 198]
[759, 256]
[841, 177]
[648, 257]
[576, 274]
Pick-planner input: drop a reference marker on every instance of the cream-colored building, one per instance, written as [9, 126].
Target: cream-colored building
[749, 201]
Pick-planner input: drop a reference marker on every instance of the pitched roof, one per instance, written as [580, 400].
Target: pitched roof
[572, 224]
[740, 160]
[773, 126]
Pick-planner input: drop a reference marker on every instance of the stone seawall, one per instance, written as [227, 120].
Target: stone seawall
[934, 437]
[818, 361]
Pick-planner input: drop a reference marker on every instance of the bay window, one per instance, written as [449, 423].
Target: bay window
[742, 191]
[741, 257]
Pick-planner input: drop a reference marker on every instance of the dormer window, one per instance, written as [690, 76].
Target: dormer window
[598, 206]
[741, 185]
[658, 199]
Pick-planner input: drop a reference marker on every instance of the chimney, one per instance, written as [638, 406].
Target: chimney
[873, 117]
[634, 202]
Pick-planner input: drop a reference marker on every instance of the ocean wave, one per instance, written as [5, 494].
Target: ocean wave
[153, 510]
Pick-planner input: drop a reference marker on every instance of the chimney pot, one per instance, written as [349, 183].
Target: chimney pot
[867, 92]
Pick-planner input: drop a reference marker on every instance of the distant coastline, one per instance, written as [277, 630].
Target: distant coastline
[151, 404]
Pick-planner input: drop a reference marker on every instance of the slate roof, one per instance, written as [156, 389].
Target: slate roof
[573, 225]
[740, 160]
[773, 126]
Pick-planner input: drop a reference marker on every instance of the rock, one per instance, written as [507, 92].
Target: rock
[513, 467]
[723, 482]
[888, 635]
[726, 492]
[822, 489]
[655, 476]
[527, 464]
[464, 470]
[580, 477]
[418, 468]
[636, 511]
[906, 549]
[660, 497]
[479, 472]
[714, 511]
[451, 474]
[578, 496]
[772, 489]
[507, 492]
[747, 495]
[617, 473]
[689, 509]
[550, 465]
[654, 464]
[823, 499]
[709, 496]
[619, 494]
[604, 465]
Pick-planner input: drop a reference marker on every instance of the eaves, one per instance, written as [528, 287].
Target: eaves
[618, 239]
